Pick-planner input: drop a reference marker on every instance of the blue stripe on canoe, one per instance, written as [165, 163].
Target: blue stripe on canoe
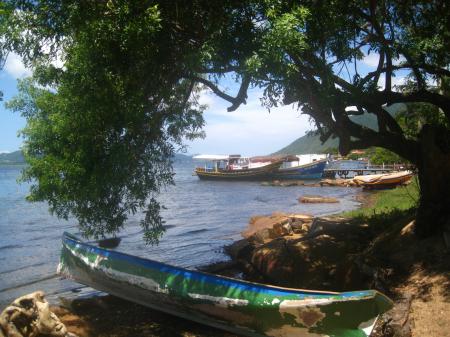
[195, 275]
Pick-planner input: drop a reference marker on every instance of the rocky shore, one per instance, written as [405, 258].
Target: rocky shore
[340, 254]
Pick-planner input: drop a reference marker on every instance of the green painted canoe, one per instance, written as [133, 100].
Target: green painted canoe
[241, 307]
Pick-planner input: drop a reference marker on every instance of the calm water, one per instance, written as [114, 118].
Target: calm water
[201, 218]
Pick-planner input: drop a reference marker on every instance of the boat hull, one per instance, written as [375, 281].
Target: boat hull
[240, 307]
[384, 181]
[260, 173]
[312, 170]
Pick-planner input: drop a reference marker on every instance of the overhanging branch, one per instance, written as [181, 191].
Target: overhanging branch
[240, 98]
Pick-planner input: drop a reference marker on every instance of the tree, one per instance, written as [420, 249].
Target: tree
[310, 53]
[127, 64]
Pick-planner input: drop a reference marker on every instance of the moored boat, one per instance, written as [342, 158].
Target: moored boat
[234, 167]
[308, 166]
[382, 181]
[304, 166]
[238, 306]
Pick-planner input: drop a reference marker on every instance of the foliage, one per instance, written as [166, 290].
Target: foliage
[378, 156]
[101, 129]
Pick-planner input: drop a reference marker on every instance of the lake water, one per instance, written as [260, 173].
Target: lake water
[201, 218]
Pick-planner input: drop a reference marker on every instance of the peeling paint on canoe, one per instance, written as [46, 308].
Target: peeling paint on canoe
[143, 282]
[368, 326]
[306, 316]
[220, 301]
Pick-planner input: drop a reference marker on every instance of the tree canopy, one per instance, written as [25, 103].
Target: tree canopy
[101, 128]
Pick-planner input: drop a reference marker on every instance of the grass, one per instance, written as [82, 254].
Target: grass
[402, 198]
[386, 208]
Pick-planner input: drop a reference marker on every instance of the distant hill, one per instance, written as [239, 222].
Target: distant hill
[13, 158]
[312, 143]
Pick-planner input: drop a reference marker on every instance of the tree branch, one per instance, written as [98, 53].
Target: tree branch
[240, 98]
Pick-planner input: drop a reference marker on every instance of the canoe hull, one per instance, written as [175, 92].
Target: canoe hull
[312, 170]
[240, 307]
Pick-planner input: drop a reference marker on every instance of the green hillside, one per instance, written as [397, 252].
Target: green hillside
[13, 158]
[312, 143]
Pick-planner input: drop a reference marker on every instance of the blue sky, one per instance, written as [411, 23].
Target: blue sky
[250, 130]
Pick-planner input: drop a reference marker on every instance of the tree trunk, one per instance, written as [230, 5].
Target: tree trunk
[433, 214]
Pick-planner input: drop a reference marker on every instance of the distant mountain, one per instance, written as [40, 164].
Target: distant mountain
[13, 158]
[312, 143]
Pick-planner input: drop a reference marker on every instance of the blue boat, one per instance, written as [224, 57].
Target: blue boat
[307, 167]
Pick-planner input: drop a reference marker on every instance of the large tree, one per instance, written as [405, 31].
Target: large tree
[101, 127]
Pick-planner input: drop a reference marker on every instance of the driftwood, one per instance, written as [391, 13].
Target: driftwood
[30, 316]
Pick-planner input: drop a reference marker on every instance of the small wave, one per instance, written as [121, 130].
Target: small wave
[10, 247]
[261, 199]
[195, 231]
[17, 286]
[22, 268]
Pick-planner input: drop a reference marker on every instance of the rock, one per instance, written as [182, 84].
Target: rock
[300, 217]
[317, 199]
[297, 226]
[239, 249]
[30, 316]
[261, 223]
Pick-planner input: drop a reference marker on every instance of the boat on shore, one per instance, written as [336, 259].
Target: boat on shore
[238, 306]
[234, 167]
[383, 181]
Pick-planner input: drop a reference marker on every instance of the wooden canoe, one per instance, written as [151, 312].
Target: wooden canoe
[238, 306]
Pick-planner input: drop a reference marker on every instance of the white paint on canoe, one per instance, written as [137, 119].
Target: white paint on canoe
[368, 326]
[224, 302]
[140, 281]
[275, 301]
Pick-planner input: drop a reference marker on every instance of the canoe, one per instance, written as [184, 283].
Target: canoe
[381, 181]
[256, 173]
[241, 307]
[313, 170]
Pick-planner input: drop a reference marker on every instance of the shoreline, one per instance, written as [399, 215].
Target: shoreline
[418, 291]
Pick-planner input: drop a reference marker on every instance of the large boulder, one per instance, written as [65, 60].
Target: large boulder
[30, 316]
[322, 258]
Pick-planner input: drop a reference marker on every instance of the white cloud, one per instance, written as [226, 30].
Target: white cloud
[15, 67]
[371, 60]
[250, 130]
[396, 81]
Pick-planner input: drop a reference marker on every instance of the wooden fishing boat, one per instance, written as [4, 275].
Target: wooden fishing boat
[235, 167]
[241, 307]
[383, 181]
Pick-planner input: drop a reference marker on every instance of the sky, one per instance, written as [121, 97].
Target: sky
[250, 130]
